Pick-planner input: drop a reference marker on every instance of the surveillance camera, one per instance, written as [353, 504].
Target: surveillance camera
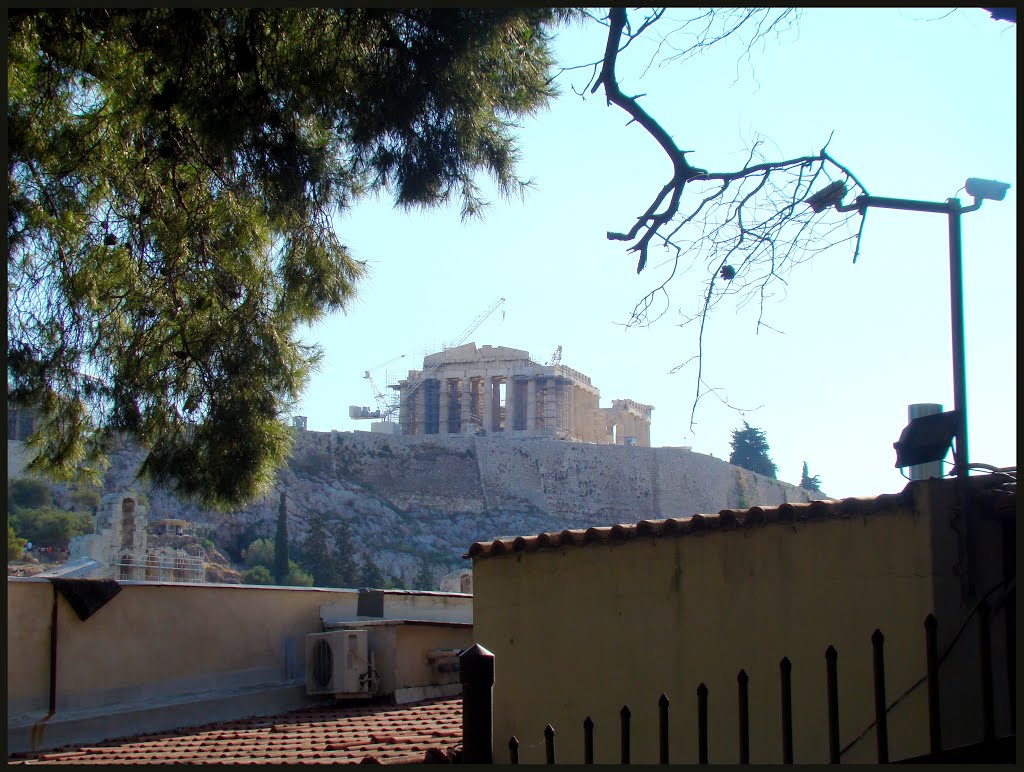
[987, 189]
[831, 195]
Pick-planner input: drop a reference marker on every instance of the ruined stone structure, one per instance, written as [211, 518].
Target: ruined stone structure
[495, 390]
[119, 548]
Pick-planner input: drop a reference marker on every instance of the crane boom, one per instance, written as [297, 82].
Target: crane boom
[474, 325]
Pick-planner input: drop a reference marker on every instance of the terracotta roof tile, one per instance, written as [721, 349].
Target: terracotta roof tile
[699, 523]
[369, 734]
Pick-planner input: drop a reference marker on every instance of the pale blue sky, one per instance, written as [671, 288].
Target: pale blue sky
[918, 101]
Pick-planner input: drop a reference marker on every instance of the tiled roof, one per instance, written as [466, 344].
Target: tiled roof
[428, 731]
[683, 526]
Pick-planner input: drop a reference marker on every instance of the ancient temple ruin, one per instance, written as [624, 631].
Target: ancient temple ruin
[495, 390]
[121, 547]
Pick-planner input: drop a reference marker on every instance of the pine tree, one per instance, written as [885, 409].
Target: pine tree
[750, 451]
[173, 182]
[281, 542]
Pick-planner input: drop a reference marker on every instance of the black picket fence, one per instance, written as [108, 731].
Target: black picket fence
[477, 668]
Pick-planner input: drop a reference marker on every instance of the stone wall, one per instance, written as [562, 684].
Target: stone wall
[583, 483]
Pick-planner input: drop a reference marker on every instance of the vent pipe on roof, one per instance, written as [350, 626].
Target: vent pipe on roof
[932, 468]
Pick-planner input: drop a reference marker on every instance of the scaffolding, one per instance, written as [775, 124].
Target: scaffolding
[162, 566]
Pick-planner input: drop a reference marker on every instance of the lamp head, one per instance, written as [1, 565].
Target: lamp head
[992, 190]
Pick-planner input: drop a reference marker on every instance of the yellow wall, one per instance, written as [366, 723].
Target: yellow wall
[154, 639]
[581, 631]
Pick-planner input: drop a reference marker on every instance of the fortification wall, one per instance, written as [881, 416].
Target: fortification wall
[582, 483]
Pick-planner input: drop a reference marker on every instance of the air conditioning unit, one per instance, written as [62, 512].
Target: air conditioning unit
[338, 663]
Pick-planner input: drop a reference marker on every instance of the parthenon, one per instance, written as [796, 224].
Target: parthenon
[495, 390]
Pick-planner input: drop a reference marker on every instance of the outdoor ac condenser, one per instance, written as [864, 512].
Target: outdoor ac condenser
[337, 663]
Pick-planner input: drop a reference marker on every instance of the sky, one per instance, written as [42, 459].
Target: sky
[915, 101]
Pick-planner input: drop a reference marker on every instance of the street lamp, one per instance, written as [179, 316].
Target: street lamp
[980, 190]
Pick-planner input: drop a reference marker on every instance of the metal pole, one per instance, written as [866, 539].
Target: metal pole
[956, 306]
[476, 672]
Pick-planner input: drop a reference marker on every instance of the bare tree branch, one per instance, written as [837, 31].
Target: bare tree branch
[748, 226]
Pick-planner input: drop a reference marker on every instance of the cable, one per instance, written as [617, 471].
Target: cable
[1008, 582]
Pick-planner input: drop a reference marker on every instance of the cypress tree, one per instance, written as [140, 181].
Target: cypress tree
[281, 542]
[809, 483]
[317, 558]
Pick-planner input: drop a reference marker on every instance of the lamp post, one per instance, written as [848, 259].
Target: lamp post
[978, 189]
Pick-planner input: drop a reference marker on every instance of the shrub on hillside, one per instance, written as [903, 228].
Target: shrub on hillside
[259, 553]
[257, 575]
[27, 493]
[296, 577]
[49, 526]
[15, 546]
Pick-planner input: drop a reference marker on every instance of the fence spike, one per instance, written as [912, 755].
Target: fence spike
[588, 740]
[785, 671]
[743, 681]
[549, 743]
[663, 729]
[702, 724]
[624, 715]
[881, 723]
[832, 688]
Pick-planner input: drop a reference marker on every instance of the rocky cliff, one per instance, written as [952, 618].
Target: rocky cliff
[407, 498]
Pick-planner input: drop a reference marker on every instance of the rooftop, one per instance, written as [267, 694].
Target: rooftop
[990, 493]
[415, 733]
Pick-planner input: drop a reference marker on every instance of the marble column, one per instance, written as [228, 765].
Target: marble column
[421, 409]
[442, 406]
[488, 406]
[466, 401]
[550, 404]
[496, 404]
[510, 404]
[531, 403]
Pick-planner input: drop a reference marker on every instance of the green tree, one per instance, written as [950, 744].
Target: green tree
[50, 526]
[15, 546]
[27, 493]
[424, 580]
[173, 175]
[257, 575]
[750, 451]
[372, 576]
[343, 571]
[296, 577]
[316, 556]
[281, 561]
[809, 483]
[259, 553]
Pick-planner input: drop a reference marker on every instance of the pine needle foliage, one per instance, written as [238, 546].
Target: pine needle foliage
[173, 175]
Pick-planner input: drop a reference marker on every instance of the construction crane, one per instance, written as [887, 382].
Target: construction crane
[384, 410]
[556, 356]
[473, 326]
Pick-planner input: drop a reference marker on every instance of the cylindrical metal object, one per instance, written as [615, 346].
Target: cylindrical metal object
[932, 468]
